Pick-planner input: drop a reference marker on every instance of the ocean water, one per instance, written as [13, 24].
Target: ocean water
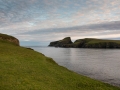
[100, 64]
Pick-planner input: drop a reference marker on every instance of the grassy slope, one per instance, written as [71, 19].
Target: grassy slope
[8, 38]
[96, 42]
[4, 36]
[100, 40]
[24, 69]
[92, 40]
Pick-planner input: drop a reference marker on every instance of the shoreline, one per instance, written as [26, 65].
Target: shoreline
[25, 69]
[109, 81]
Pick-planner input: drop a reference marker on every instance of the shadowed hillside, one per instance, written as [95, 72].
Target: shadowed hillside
[61, 43]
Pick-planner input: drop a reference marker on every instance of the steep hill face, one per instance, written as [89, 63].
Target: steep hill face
[9, 38]
[61, 43]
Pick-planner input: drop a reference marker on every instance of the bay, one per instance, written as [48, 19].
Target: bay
[100, 64]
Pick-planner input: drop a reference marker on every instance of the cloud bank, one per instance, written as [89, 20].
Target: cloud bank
[42, 21]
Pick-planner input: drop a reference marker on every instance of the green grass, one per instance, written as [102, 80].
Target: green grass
[96, 43]
[25, 69]
[4, 36]
[92, 40]
[8, 38]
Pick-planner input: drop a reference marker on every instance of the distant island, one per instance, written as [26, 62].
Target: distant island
[86, 43]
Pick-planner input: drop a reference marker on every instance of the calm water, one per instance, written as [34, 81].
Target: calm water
[101, 64]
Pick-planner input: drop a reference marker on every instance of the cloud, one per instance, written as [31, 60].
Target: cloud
[114, 25]
[13, 11]
[105, 30]
[46, 20]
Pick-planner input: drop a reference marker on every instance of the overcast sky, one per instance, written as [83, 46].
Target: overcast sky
[38, 22]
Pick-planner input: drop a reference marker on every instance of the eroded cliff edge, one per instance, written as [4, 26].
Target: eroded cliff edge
[9, 38]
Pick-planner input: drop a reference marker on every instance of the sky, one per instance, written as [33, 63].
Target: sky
[38, 22]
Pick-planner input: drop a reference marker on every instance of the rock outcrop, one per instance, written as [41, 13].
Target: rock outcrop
[87, 43]
[62, 43]
[9, 38]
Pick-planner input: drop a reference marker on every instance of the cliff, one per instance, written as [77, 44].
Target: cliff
[8, 38]
[62, 43]
[93, 43]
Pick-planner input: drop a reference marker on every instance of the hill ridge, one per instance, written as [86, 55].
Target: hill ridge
[89, 43]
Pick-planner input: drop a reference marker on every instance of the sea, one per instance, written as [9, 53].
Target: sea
[100, 64]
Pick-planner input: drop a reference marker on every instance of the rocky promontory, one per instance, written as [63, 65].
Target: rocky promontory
[62, 43]
[86, 43]
[8, 38]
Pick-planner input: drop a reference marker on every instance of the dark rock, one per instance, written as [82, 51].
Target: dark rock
[53, 43]
[62, 43]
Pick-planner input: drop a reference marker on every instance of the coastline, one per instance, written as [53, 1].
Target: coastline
[75, 64]
[25, 69]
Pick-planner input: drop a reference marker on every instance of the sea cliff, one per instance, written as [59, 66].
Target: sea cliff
[88, 43]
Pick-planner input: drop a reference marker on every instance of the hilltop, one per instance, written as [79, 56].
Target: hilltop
[61, 43]
[13, 40]
[26, 69]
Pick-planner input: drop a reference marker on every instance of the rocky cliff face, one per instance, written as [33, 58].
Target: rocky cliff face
[61, 43]
[86, 43]
[9, 38]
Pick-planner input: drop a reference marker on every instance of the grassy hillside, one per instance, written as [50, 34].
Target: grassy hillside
[96, 43]
[4, 36]
[25, 69]
[8, 38]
